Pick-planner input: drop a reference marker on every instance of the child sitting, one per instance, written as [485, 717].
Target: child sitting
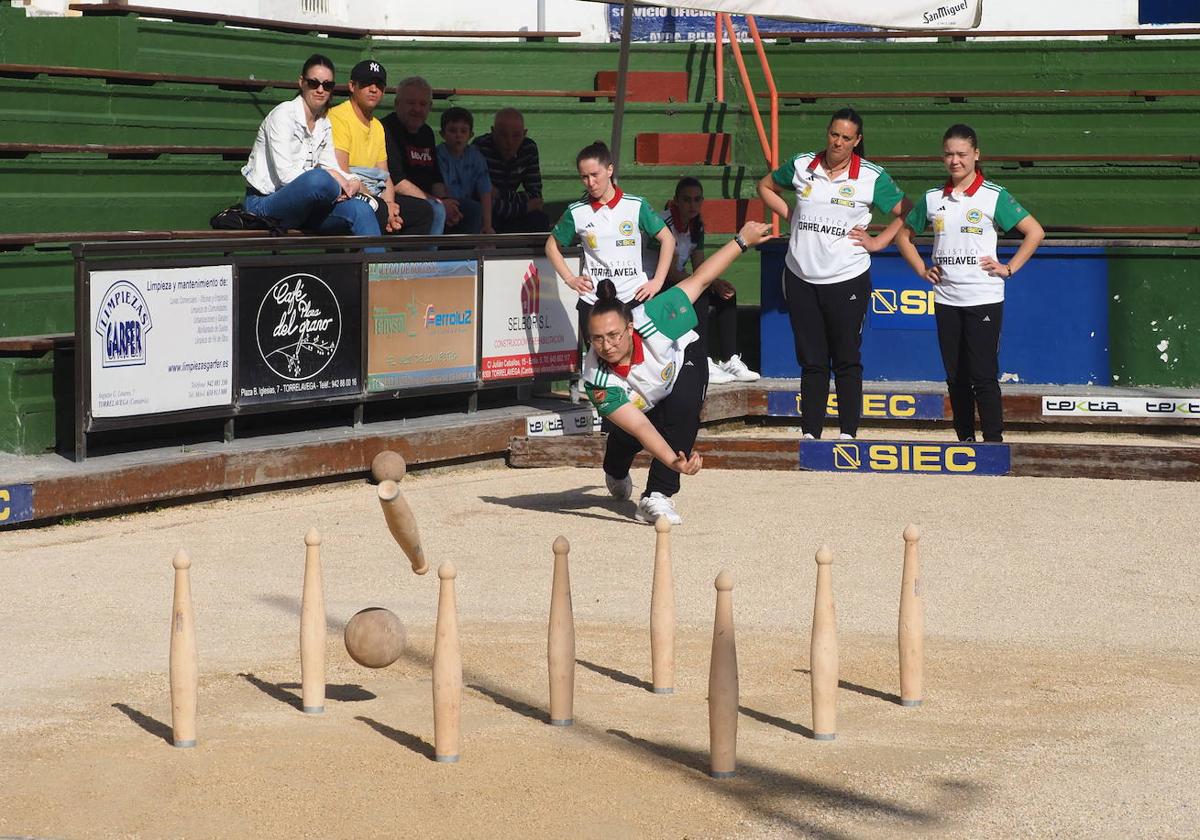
[465, 172]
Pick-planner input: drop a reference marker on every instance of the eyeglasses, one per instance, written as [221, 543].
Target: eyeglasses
[609, 339]
[313, 84]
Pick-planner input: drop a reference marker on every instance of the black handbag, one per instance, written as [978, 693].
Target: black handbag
[239, 218]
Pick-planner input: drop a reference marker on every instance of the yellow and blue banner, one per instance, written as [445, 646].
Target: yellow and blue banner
[16, 503]
[883, 456]
[876, 406]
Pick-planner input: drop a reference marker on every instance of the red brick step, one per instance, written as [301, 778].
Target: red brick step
[727, 215]
[647, 86]
[683, 149]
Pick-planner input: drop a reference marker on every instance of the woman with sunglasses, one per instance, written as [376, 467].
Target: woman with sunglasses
[645, 373]
[293, 176]
[827, 273]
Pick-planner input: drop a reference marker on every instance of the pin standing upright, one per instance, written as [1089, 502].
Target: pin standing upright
[312, 628]
[560, 640]
[911, 635]
[447, 670]
[184, 667]
[723, 685]
[662, 612]
[823, 652]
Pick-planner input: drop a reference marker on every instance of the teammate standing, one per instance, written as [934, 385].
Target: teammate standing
[645, 374]
[968, 280]
[611, 225]
[827, 275]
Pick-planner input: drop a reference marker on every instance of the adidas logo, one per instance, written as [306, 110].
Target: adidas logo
[688, 364]
[854, 297]
[987, 319]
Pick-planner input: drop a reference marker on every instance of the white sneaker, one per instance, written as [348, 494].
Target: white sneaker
[619, 488]
[736, 368]
[807, 436]
[717, 375]
[655, 505]
[844, 436]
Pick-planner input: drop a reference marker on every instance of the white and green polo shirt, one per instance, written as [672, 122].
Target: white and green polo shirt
[685, 246]
[964, 229]
[827, 210]
[612, 236]
[663, 327]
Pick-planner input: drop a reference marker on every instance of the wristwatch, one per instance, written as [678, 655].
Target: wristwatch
[741, 243]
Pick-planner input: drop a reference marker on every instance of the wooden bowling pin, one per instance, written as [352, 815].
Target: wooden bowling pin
[560, 642]
[402, 524]
[312, 629]
[662, 612]
[823, 653]
[912, 623]
[723, 685]
[447, 670]
[184, 668]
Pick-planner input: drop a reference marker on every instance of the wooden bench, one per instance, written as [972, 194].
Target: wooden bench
[185, 16]
[28, 71]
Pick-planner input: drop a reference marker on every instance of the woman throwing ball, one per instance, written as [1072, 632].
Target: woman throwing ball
[827, 274]
[968, 280]
[645, 373]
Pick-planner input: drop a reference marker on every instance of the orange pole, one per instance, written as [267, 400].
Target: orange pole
[736, 49]
[774, 94]
[720, 58]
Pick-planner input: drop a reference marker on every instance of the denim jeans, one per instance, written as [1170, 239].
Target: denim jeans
[439, 217]
[310, 203]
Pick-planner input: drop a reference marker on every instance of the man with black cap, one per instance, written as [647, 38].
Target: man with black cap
[360, 148]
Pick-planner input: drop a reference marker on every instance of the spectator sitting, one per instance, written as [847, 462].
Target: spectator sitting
[465, 172]
[359, 145]
[516, 174]
[293, 175]
[412, 152]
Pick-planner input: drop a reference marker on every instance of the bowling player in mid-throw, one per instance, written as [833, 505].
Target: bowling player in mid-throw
[646, 374]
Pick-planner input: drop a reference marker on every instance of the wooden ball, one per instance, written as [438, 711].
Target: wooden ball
[374, 637]
[388, 465]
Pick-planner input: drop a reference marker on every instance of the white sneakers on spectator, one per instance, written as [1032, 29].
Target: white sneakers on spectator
[844, 436]
[717, 375]
[655, 505]
[619, 488]
[736, 368]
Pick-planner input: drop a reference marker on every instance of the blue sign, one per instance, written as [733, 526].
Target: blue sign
[669, 24]
[887, 406]
[1168, 11]
[1055, 320]
[905, 457]
[16, 503]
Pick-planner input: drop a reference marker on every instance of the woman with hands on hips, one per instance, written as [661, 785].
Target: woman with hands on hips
[965, 214]
[610, 224]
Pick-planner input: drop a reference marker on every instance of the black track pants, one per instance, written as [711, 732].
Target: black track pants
[969, 337]
[827, 322]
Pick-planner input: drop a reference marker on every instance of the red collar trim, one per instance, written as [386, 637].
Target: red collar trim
[969, 191]
[852, 172]
[617, 195]
[637, 358]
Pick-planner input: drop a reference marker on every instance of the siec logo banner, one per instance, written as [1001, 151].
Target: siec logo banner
[889, 406]
[16, 503]
[903, 457]
[1175, 407]
[902, 309]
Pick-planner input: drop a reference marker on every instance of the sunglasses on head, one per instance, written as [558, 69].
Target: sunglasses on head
[313, 84]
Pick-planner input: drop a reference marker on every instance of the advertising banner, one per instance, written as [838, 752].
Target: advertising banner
[558, 423]
[531, 327]
[670, 24]
[895, 456]
[16, 503]
[889, 406]
[299, 332]
[161, 339]
[421, 324]
[1164, 405]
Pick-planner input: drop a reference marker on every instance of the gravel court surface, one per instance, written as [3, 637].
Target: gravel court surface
[1062, 648]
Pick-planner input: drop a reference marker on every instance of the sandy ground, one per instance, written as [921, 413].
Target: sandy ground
[1063, 665]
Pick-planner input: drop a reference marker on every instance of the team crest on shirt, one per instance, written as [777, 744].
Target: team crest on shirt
[806, 189]
[626, 228]
[846, 191]
[974, 215]
[668, 373]
[939, 224]
[589, 237]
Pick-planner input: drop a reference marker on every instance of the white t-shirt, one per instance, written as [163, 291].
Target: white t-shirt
[663, 328]
[612, 236]
[284, 148]
[827, 210]
[964, 229]
[685, 246]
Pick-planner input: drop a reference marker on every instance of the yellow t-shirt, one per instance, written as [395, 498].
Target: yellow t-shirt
[364, 143]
